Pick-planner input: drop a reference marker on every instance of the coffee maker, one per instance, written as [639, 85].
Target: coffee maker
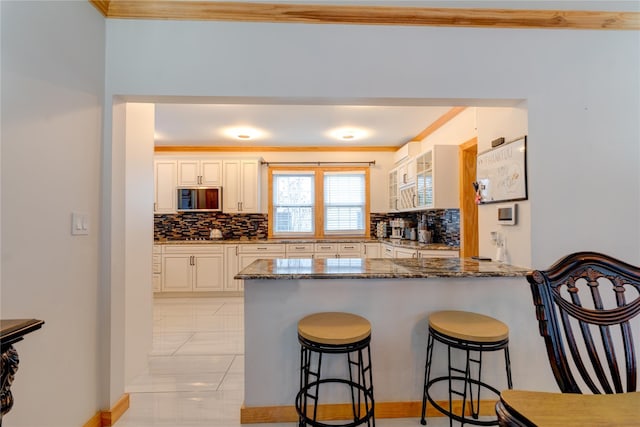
[397, 228]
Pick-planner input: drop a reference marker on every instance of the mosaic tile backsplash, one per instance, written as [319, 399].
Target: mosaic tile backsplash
[444, 224]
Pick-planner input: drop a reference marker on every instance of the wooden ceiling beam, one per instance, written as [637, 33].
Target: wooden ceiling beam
[441, 121]
[368, 15]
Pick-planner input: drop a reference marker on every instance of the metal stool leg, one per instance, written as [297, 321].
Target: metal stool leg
[507, 362]
[427, 369]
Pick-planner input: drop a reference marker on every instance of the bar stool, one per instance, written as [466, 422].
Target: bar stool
[335, 333]
[470, 332]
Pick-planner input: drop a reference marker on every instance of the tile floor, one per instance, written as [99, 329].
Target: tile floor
[196, 369]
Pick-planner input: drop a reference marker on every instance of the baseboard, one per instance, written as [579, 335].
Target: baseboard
[341, 411]
[109, 418]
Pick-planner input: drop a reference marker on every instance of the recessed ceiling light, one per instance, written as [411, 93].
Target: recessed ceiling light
[244, 133]
[348, 134]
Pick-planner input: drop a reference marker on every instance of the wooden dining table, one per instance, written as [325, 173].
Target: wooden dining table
[543, 409]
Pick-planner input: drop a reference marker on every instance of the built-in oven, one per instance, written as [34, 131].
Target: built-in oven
[199, 198]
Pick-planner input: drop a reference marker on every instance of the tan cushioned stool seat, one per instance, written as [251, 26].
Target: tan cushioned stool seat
[468, 326]
[334, 328]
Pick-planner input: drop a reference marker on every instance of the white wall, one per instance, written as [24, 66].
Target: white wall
[52, 97]
[139, 125]
[510, 123]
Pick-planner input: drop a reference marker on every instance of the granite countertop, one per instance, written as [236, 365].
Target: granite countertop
[376, 268]
[412, 244]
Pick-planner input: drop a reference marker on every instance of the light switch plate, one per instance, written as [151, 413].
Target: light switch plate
[79, 224]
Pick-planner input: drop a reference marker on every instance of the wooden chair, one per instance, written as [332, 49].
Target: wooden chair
[588, 308]
[586, 302]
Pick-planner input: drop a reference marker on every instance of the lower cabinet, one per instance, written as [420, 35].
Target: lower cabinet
[157, 269]
[423, 253]
[387, 250]
[189, 268]
[231, 268]
[211, 267]
[248, 253]
[405, 253]
[371, 250]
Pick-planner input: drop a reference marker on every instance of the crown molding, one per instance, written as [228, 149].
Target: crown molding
[368, 15]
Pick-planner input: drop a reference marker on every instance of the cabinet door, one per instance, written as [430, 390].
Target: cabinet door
[231, 196]
[177, 273]
[393, 190]
[387, 251]
[211, 173]
[188, 172]
[371, 250]
[231, 268]
[165, 180]
[208, 272]
[404, 253]
[157, 282]
[250, 186]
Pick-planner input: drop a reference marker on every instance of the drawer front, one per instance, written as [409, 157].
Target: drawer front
[349, 248]
[157, 259]
[157, 249]
[193, 249]
[157, 268]
[438, 254]
[326, 248]
[293, 248]
[269, 248]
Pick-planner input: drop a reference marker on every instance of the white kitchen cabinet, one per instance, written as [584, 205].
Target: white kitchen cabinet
[188, 268]
[407, 172]
[387, 250]
[405, 253]
[231, 268]
[157, 268]
[437, 180]
[371, 250]
[193, 172]
[165, 181]
[393, 190]
[426, 253]
[248, 253]
[241, 192]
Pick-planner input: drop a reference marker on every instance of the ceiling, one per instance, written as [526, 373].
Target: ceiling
[290, 125]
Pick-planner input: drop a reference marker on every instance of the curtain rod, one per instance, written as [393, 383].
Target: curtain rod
[370, 163]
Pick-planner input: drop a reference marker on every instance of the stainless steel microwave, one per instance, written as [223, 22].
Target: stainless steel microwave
[199, 198]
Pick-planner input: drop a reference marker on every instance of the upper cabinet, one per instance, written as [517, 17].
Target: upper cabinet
[165, 180]
[200, 172]
[393, 190]
[238, 178]
[437, 178]
[241, 191]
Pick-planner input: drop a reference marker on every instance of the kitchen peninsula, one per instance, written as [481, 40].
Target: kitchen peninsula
[396, 296]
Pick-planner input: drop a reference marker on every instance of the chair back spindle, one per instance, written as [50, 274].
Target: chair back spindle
[589, 303]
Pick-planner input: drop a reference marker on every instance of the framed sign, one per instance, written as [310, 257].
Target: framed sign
[502, 173]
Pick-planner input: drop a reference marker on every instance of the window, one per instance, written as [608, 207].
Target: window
[344, 203]
[293, 203]
[318, 202]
